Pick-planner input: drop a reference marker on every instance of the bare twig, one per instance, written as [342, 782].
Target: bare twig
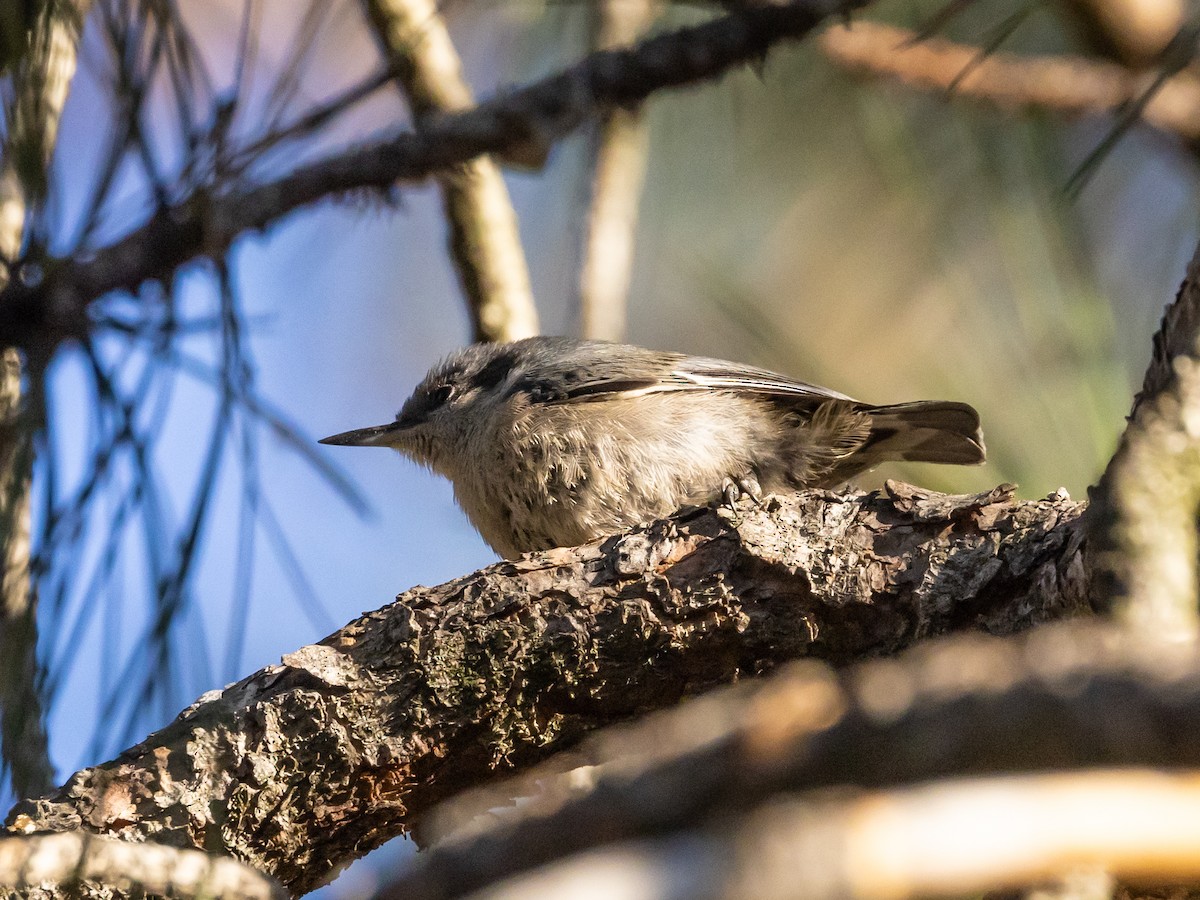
[41, 863]
[519, 125]
[1071, 85]
[484, 240]
[617, 165]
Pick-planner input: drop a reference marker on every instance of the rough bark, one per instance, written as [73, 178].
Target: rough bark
[305, 765]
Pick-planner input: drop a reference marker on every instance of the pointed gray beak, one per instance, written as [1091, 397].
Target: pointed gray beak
[375, 436]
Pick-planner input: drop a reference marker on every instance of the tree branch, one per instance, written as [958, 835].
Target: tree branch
[351, 741]
[1143, 520]
[520, 125]
[485, 243]
[1070, 85]
[949, 839]
[41, 80]
[617, 151]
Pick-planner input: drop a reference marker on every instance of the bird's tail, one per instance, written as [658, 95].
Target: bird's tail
[926, 431]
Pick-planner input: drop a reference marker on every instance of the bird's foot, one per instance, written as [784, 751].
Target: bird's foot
[734, 489]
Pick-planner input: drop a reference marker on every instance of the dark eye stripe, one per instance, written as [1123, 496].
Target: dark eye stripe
[494, 372]
[418, 408]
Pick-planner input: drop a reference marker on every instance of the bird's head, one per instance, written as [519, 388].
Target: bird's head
[452, 404]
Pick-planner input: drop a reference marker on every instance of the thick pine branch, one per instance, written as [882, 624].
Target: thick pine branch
[348, 743]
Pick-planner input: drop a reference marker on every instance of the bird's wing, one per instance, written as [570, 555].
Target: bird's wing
[649, 372]
[717, 374]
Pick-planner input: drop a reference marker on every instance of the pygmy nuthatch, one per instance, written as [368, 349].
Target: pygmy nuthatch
[551, 442]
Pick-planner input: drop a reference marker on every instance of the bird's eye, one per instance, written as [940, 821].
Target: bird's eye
[441, 395]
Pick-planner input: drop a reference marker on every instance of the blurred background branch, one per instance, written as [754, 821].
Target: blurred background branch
[40, 68]
[715, 773]
[485, 242]
[40, 865]
[1068, 85]
[1133, 32]
[615, 166]
[1049, 834]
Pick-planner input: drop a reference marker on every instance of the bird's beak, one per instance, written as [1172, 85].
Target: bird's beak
[375, 436]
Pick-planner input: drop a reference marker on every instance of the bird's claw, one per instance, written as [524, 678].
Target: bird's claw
[733, 489]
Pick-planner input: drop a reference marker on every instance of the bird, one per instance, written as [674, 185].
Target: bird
[554, 442]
